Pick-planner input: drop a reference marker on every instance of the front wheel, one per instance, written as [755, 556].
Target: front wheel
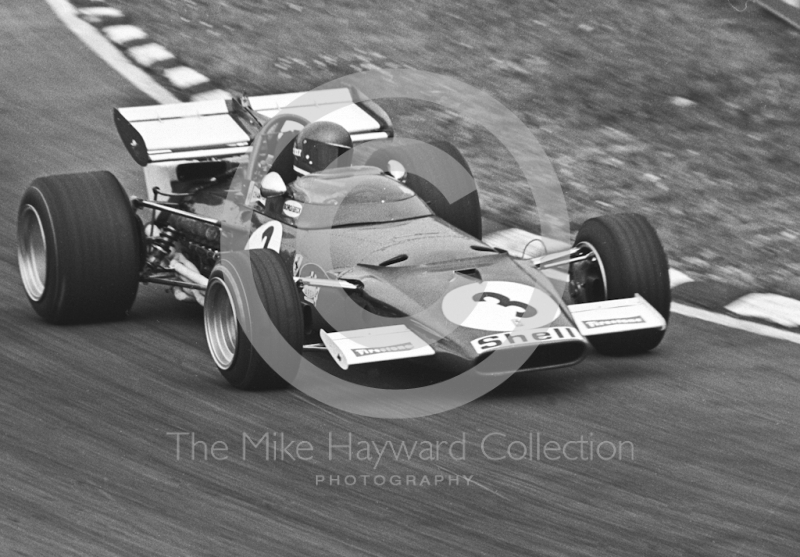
[626, 258]
[253, 320]
[79, 247]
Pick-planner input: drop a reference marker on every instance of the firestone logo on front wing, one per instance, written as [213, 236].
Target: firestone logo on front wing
[383, 349]
[609, 322]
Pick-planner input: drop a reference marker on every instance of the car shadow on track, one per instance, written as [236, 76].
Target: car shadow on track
[596, 369]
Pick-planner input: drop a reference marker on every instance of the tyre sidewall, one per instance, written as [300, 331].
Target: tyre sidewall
[248, 369]
[237, 372]
[46, 305]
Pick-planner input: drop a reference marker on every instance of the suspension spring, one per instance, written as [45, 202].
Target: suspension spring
[161, 246]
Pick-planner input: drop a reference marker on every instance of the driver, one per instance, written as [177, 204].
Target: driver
[319, 146]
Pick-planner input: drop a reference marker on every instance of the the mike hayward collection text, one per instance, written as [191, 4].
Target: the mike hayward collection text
[494, 446]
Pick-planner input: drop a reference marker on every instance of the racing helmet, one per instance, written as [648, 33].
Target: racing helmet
[320, 145]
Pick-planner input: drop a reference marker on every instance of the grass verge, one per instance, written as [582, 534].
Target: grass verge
[684, 111]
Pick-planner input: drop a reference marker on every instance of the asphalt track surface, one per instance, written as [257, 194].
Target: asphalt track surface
[87, 466]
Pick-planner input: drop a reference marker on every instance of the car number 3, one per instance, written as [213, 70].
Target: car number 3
[504, 301]
[499, 306]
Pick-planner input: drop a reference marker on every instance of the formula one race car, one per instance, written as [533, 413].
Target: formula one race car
[370, 262]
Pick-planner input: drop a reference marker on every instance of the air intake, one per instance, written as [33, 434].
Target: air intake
[394, 260]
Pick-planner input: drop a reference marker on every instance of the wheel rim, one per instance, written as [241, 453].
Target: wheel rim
[587, 279]
[220, 323]
[32, 253]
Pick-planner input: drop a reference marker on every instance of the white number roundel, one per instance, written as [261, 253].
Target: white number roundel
[268, 236]
[499, 306]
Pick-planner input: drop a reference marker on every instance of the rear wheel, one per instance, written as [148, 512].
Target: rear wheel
[440, 176]
[79, 247]
[627, 258]
[254, 326]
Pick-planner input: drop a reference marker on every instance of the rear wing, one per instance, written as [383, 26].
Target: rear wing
[226, 127]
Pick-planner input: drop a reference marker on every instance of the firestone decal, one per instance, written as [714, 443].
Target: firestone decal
[383, 349]
[593, 324]
[292, 208]
[499, 306]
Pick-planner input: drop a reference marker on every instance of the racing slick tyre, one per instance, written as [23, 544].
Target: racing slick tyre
[238, 307]
[437, 179]
[628, 259]
[79, 248]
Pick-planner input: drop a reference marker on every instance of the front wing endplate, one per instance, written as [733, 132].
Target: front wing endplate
[378, 344]
[616, 316]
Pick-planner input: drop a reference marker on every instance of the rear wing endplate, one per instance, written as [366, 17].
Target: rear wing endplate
[222, 128]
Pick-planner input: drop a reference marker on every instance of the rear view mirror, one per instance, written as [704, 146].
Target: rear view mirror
[272, 185]
[397, 171]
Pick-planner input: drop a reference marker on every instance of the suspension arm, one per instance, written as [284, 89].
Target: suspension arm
[328, 283]
[572, 255]
[169, 282]
[139, 203]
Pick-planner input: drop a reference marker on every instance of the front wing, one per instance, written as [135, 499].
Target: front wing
[382, 344]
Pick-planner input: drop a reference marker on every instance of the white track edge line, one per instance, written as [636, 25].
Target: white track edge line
[109, 53]
[779, 309]
[734, 323]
